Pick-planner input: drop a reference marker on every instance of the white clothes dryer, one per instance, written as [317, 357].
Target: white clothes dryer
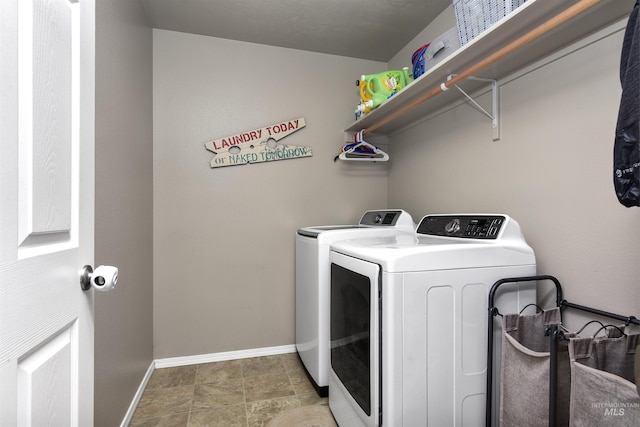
[312, 283]
[409, 320]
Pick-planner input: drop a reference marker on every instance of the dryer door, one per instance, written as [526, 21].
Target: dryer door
[355, 341]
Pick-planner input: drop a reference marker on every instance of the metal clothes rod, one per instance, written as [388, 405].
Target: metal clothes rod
[628, 319]
[540, 30]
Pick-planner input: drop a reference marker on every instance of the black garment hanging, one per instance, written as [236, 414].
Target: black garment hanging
[626, 151]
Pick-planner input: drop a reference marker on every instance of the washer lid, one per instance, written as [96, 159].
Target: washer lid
[315, 230]
[396, 219]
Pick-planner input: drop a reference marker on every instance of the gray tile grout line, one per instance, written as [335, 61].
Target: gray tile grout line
[193, 396]
[244, 394]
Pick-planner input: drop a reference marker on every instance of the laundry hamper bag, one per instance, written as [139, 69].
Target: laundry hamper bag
[603, 389]
[524, 388]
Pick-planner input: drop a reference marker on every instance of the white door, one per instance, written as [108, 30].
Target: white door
[46, 211]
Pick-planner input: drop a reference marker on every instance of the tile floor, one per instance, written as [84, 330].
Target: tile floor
[246, 392]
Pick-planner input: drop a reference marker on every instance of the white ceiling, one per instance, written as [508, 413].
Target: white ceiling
[368, 29]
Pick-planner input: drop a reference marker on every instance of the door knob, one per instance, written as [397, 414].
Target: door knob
[104, 278]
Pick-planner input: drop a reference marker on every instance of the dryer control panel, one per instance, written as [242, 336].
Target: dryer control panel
[465, 226]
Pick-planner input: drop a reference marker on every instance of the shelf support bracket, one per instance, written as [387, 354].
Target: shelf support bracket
[495, 101]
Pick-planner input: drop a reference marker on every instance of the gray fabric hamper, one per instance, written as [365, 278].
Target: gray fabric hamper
[603, 389]
[524, 388]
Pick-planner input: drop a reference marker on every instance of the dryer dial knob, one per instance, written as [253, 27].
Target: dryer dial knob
[452, 226]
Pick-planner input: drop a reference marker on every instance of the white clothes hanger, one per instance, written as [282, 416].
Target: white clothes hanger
[371, 153]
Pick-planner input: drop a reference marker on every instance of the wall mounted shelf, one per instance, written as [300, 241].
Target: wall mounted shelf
[398, 112]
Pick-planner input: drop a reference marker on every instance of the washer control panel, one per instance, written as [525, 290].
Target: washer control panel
[380, 218]
[465, 226]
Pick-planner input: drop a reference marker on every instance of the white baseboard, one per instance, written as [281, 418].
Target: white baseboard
[136, 398]
[227, 355]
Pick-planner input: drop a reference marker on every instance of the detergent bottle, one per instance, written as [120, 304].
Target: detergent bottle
[380, 86]
[363, 108]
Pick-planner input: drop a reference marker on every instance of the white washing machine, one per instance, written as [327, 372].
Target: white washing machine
[312, 283]
[409, 320]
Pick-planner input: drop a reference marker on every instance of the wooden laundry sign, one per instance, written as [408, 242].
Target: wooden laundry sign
[257, 146]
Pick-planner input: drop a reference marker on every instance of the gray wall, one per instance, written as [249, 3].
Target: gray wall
[124, 156]
[224, 238]
[551, 171]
